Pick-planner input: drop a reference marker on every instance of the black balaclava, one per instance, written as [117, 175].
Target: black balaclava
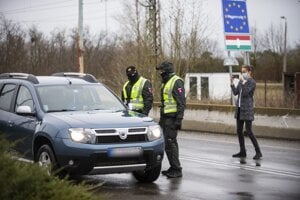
[166, 70]
[164, 76]
[132, 74]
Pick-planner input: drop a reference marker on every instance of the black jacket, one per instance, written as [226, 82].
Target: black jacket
[179, 96]
[246, 96]
[146, 93]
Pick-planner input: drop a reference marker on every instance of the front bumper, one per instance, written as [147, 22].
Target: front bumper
[80, 159]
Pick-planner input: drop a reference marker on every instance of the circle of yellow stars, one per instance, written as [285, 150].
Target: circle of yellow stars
[244, 17]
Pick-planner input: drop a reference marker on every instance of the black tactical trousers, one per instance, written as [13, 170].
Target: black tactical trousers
[171, 144]
[240, 125]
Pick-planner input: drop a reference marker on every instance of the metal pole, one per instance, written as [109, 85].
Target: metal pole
[247, 58]
[80, 42]
[265, 93]
[230, 74]
[138, 38]
[285, 39]
[106, 17]
[284, 56]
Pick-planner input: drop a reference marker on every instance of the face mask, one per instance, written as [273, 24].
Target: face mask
[245, 75]
[164, 76]
[132, 77]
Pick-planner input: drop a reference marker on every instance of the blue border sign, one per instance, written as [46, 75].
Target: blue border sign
[235, 16]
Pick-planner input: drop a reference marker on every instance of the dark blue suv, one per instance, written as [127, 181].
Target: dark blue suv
[71, 122]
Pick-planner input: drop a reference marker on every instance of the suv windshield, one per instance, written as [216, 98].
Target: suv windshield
[59, 98]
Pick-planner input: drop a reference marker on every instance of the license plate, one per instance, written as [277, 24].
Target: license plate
[125, 152]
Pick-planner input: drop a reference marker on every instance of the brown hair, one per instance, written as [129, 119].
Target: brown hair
[249, 68]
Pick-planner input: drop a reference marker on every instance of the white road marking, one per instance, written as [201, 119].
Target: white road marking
[228, 142]
[24, 160]
[242, 166]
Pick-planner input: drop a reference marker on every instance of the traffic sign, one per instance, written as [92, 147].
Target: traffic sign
[238, 42]
[236, 26]
[235, 16]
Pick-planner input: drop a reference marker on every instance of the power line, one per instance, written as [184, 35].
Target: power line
[45, 6]
[20, 10]
[73, 16]
[39, 10]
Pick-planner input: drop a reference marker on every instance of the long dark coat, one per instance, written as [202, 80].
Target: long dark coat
[247, 105]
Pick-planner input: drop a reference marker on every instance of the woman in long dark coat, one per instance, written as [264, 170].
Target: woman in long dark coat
[245, 110]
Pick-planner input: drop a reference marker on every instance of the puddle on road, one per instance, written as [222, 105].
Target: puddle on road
[243, 195]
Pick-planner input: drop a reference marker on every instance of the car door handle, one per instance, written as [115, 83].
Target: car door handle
[11, 123]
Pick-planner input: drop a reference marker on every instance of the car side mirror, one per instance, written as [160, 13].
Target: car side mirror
[24, 110]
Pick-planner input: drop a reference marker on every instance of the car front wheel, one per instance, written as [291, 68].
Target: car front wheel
[46, 159]
[149, 175]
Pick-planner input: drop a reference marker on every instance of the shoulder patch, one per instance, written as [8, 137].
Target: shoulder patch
[180, 90]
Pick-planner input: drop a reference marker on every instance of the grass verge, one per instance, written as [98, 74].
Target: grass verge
[20, 180]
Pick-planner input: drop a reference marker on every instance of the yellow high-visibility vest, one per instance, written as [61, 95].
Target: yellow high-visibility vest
[136, 97]
[169, 103]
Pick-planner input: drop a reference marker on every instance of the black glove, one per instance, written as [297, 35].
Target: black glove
[178, 124]
[160, 123]
[145, 112]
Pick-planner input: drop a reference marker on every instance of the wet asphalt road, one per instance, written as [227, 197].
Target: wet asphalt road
[209, 172]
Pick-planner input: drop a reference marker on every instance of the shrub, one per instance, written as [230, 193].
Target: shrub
[20, 180]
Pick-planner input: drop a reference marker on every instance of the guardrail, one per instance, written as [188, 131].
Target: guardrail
[229, 108]
[225, 123]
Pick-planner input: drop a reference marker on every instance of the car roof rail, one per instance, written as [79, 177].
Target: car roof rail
[29, 77]
[87, 77]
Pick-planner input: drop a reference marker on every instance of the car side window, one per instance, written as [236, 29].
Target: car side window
[24, 98]
[6, 96]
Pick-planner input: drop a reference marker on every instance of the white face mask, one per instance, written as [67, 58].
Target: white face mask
[245, 75]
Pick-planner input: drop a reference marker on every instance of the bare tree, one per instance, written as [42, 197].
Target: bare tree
[272, 42]
[273, 39]
[13, 46]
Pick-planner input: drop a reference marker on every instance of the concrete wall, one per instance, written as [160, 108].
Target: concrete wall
[269, 122]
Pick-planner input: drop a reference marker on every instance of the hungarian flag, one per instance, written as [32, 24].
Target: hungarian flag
[238, 42]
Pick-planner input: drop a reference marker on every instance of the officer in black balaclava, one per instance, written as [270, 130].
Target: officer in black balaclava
[137, 92]
[171, 115]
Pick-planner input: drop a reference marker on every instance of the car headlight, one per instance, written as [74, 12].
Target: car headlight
[154, 132]
[82, 135]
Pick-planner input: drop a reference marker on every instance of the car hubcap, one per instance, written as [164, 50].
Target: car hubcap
[45, 161]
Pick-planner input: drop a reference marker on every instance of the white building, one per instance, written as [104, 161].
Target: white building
[214, 86]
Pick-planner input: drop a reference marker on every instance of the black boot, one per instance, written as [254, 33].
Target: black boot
[257, 156]
[174, 174]
[241, 154]
[165, 172]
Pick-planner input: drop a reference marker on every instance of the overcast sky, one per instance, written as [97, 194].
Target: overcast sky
[51, 14]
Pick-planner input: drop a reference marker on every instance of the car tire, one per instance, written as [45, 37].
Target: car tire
[148, 176]
[45, 158]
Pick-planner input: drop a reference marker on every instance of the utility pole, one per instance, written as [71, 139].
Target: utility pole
[153, 38]
[285, 52]
[284, 55]
[138, 37]
[79, 38]
[106, 17]
[153, 30]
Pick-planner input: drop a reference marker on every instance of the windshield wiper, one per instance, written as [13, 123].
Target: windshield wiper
[61, 110]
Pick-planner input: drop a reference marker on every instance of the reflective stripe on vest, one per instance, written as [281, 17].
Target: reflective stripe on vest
[136, 97]
[169, 103]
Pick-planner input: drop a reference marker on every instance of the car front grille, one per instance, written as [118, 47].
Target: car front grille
[105, 161]
[102, 159]
[121, 135]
